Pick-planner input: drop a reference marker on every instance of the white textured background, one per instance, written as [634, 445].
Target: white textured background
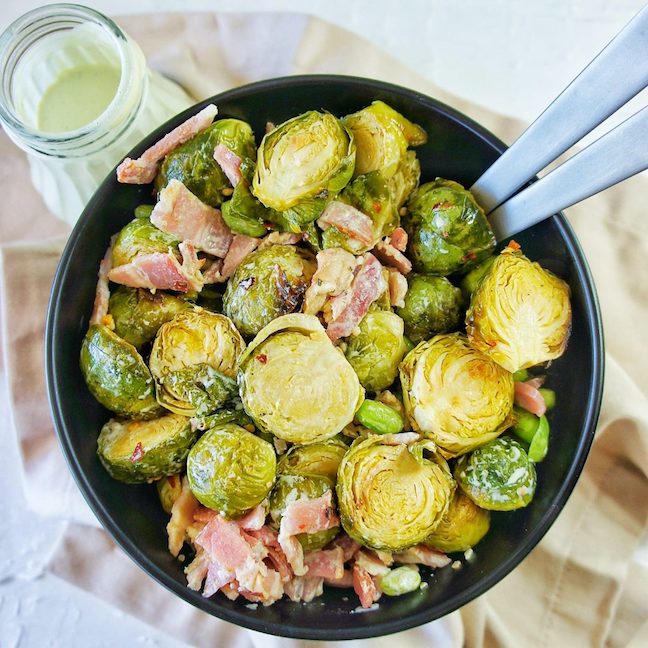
[512, 56]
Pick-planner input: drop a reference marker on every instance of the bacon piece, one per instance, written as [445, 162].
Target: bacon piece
[422, 555]
[293, 551]
[397, 287]
[345, 581]
[220, 270]
[364, 586]
[196, 570]
[102, 293]
[309, 515]
[182, 516]
[348, 545]
[216, 578]
[144, 168]
[280, 238]
[391, 256]
[183, 215]
[371, 563]
[254, 519]
[334, 275]
[304, 588]
[398, 239]
[229, 162]
[367, 286]
[530, 398]
[325, 563]
[347, 219]
[231, 590]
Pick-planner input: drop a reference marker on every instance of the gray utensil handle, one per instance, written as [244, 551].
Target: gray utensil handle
[616, 75]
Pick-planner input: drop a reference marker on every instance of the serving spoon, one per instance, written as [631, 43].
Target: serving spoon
[617, 74]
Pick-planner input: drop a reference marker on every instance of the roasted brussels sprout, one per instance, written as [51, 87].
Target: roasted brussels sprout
[447, 229]
[497, 476]
[116, 374]
[307, 156]
[471, 280]
[454, 394]
[231, 470]
[520, 313]
[405, 180]
[194, 362]
[291, 488]
[296, 384]
[269, 282]
[379, 418]
[169, 489]
[382, 136]
[462, 527]
[390, 495]
[432, 305]
[193, 164]
[141, 451]
[138, 314]
[244, 214]
[321, 459]
[377, 349]
[140, 236]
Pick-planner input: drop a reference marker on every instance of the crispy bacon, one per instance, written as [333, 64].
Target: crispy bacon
[371, 563]
[144, 169]
[391, 256]
[183, 215]
[349, 546]
[254, 519]
[309, 515]
[422, 555]
[102, 293]
[325, 563]
[345, 581]
[304, 588]
[196, 570]
[229, 162]
[364, 586]
[528, 396]
[397, 287]
[334, 275]
[182, 516]
[220, 270]
[347, 219]
[398, 239]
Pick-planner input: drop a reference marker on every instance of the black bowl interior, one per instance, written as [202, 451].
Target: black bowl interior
[457, 149]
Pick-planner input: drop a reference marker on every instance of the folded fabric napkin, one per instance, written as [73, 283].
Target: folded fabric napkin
[586, 584]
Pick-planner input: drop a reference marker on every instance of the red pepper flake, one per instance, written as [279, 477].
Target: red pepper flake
[377, 207]
[262, 358]
[514, 245]
[138, 453]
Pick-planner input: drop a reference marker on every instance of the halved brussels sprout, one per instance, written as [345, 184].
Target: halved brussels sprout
[244, 214]
[377, 349]
[268, 283]
[405, 180]
[291, 488]
[138, 313]
[193, 164]
[497, 476]
[462, 527]
[454, 394]
[520, 314]
[169, 489]
[447, 229]
[231, 470]
[139, 451]
[116, 374]
[296, 384]
[321, 459]
[391, 496]
[140, 236]
[307, 156]
[194, 360]
[432, 305]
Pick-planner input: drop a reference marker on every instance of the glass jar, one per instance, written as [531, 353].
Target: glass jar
[63, 65]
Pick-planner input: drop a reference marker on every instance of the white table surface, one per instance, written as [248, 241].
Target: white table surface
[511, 56]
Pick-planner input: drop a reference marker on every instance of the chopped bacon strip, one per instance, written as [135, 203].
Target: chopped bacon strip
[196, 570]
[102, 293]
[347, 219]
[398, 239]
[423, 555]
[368, 284]
[530, 398]
[397, 287]
[254, 519]
[280, 238]
[220, 270]
[345, 581]
[217, 577]
[229, 162]
[293, 551]
[304, 588]
[231, 590]
[325, 563]
[182, 516]
[348, 545]
[161, 270]
[391, 256]
[144, 168]
[309, 515]
[371, 563]
[333, 276]
[364, 586]
[183, 215]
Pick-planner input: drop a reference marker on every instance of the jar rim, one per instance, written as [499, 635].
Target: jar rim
[27, 24]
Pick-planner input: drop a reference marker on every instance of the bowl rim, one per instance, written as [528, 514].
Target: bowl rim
[379, 628]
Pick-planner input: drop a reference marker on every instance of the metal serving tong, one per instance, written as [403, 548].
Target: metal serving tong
[616, 75]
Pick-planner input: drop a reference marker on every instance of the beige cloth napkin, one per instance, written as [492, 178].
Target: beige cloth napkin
[582, 586]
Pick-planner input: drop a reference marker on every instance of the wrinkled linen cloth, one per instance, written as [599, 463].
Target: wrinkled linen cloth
[586, 583]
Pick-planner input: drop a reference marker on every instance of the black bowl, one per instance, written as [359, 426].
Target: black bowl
[457, 149]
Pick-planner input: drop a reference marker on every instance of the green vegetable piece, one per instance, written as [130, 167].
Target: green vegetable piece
[521, 375]
[243, 213]
[462, 527]
[471, 280]
[194, 360]
[400, 581]
[141, 451]
[447, 229]
[379, 418]
[140, 236]
[304, 158]
[268, 283]
[193, 164]
[231, 470]
[169, 489]
[405, 180]
[526, 424]
[520, 314]
[322, 459]
[116, 374]
[143, 211]
[540, 443]
[233, 413]
[549, 397]
[432, 305]
[454, 394]
[377, 349]
[498, 476]
[138, 313]
[390, 495]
